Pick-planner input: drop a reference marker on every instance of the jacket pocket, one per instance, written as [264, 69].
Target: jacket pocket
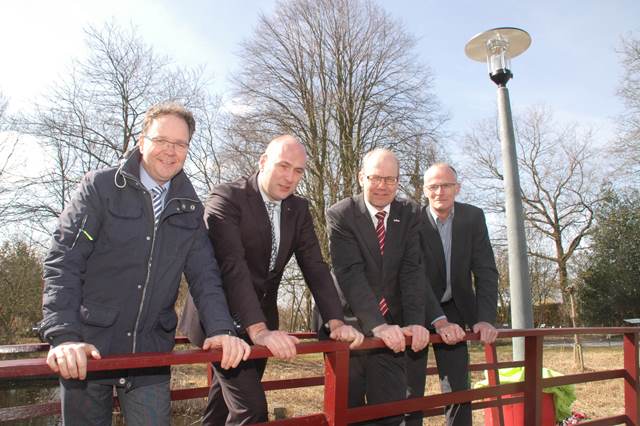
[185, 221]
[125, 222]
[98, 315]
[97, 325]
[168, 321]
[165, 331]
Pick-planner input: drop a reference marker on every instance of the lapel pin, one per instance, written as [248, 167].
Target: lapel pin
[396, 220]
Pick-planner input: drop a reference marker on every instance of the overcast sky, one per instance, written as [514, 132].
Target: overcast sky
[571, 66]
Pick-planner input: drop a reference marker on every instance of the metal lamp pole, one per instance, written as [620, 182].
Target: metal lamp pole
[496, 47]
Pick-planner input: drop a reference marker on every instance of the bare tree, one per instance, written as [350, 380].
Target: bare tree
[340, 75]
[628, 145]
[93, 115]
[559, 187]
[343, 77]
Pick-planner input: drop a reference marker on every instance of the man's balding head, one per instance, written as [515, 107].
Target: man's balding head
[282, 166]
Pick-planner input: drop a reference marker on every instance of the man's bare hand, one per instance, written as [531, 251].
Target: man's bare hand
[420, 336]
[281, 344]
[69, 359]
[345, 333]
[488, 332]
[451, 333]
[391, 335]
[233, 348]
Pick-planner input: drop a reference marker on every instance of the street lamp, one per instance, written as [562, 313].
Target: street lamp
[496, 47]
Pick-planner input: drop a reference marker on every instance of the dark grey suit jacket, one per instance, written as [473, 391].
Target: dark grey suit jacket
[241, 235]
[364, 276]
[474, 277]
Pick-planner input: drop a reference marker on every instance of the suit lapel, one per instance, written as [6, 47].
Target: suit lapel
[434, 242]
[365, 225]
[286, 232]
[457, 240]
[260, 215]
[392, 240]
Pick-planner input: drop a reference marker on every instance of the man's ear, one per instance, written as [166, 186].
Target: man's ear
[361, 178]
[141, 142]
[262, 161]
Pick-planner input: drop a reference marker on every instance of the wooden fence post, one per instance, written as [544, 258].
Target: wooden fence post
[533, 380]
[631, 387]
[336, 382]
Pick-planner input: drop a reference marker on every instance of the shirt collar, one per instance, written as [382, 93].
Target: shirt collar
[437, 219]
[372, 210]
[149, 182]
[264, 195]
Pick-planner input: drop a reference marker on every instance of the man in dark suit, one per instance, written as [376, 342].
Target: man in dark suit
[256, 225]
[375, 254]
[460, 267]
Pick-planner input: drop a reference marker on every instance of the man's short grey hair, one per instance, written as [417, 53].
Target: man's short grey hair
[447, 165]
[377, 151]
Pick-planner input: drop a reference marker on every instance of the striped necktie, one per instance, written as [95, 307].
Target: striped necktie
[380, 233]
[158, 202]
[271, 209]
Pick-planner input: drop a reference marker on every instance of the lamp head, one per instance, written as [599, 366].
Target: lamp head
[496, 47]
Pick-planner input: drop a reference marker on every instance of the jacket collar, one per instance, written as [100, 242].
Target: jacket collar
[129, 172]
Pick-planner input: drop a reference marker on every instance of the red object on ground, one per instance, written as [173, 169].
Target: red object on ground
[514, 413]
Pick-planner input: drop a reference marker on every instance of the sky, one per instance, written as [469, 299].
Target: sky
[572, 65]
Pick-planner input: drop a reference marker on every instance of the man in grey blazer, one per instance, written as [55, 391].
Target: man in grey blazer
[375, 254]
[460, 267]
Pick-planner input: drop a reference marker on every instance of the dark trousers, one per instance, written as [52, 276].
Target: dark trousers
[88, 402]
[377, 376]
[236, 396]
[453, 370]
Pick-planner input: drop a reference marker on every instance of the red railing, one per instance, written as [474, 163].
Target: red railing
[335, 379]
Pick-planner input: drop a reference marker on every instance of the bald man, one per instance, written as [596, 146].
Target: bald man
[256, 224]
[375, 254]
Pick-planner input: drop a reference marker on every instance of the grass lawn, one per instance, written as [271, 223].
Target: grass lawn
[599, 399]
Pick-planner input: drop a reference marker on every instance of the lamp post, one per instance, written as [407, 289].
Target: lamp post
[496, 47]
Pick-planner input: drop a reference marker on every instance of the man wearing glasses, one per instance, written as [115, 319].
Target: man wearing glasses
[375, 254]
[112, 275]
[460, 267]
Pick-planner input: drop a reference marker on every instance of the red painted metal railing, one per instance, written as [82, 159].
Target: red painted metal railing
[335, 379]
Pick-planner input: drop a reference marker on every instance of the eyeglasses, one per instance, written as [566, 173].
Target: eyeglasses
[442, 186]
[387, 180]
[165, 143]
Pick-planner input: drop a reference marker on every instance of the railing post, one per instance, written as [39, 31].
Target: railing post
[631, 387]
[533, 380]
[491, 356]
[336, 382]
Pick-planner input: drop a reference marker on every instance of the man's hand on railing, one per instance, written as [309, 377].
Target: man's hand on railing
[345, 333]
[233, 348]
[391, 335]
[69, 359]
[488, 332]
[451, 333]
[280, 343]
[420, 336]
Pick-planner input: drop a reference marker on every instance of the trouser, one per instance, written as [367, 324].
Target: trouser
[236, 396]
[453, 370]
[89, 402]
[377, 376]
